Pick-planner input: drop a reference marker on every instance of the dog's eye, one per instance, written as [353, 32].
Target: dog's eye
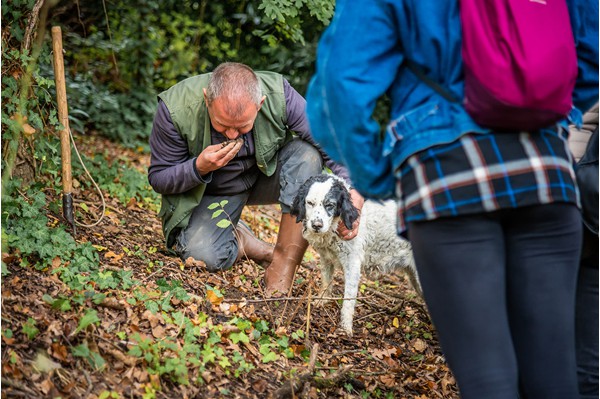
[310, 203]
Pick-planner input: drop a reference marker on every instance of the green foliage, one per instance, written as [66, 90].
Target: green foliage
[287, 18]
[46, 245]
[26, 104]
[174, 288]
[150, 45]
[29, 231]
[62, 304]
[94, 359]
[204, 346]
[165, 357]
[7, 333]
[109, 395]
[120, 179]
[123, 117]
[89, 318]
[266, 350]
[226, 220]
[30, 329]
[27, 109]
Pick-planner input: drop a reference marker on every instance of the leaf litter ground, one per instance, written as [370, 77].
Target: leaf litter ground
[394, 352]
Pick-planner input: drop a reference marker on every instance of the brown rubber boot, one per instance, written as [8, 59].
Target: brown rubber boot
[287, 255]
[251, 247]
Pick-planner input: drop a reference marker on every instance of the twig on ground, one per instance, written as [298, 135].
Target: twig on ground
[291, 387]
[311, 368]
[116, 269]
[313, 357]
[293, 314]
[397, 307]
[113, 303]
[117, 354]
[94, 204]
[290, 298]
[390, 298]
[152, 274]
[342, 353]
[370, 315]
[90, 386]
[17, 385]
[308, 313]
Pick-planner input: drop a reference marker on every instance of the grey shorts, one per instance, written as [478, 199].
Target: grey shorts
[204, 240]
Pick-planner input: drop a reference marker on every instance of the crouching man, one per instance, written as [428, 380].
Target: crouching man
[240, 136]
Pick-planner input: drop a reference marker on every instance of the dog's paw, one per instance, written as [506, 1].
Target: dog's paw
[347, 331]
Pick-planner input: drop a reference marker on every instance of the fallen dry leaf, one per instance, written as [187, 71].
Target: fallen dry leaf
[260, 386]
[113, 256]
[381, 353]
[419, 345]
[213, 298]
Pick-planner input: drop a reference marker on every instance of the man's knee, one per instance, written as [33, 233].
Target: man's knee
[306, 159]
[216, 258]
[301, 162]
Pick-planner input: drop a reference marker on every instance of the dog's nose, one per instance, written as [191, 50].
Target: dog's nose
[317, 224]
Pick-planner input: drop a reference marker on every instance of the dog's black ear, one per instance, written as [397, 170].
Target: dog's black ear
[348, 211]
[298, 208]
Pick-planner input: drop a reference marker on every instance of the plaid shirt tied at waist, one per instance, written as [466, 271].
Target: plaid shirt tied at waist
[484, 173]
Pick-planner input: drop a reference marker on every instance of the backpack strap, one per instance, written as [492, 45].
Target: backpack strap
[416, 69]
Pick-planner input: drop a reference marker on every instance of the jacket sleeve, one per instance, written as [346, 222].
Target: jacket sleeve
[357, 60]
[584, 22]
[172, 170]
[297, 122]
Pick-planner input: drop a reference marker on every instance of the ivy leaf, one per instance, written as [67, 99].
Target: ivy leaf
[81, 350]
[96, 361]
[269, 357]
[135, 351]
[239, 337]
[90, 317]
[262, 326]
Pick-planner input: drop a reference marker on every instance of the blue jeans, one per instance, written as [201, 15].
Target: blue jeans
[203, 240]
[500, 289]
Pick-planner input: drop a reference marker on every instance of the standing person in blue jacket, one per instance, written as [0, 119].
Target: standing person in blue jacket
[231, 138]
[496, 253]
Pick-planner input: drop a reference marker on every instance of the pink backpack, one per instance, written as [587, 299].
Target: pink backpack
[520, 63]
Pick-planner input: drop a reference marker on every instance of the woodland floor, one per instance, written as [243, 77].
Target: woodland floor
[393, 353]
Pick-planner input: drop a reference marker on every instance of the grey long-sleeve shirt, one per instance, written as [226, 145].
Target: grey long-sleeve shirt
[172, 170]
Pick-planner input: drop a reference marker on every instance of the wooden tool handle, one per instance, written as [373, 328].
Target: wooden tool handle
[63, 113]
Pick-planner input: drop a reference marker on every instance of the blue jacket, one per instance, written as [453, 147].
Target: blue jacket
[361, 56]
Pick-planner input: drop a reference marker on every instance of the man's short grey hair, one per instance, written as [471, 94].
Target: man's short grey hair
[234, 81]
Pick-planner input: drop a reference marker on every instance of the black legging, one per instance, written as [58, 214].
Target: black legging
[500, 288]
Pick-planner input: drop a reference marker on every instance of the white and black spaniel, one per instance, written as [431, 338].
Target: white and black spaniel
[320, 204]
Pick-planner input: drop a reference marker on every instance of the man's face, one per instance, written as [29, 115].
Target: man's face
[234, 126]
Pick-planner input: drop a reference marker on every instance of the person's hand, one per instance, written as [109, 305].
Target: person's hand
[343, 232]
[216, 156]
